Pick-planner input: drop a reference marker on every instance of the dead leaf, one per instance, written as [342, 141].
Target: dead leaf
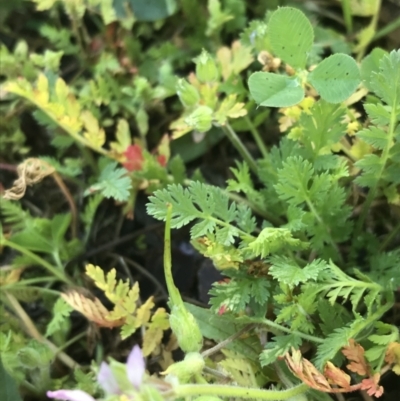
[30, 172]
[336, 376]
[93, 310]
[306, 371]
[355, 353]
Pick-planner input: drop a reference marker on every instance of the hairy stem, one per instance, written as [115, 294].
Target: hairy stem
[227, 341]
[346, 9]
[188, 390]
[51, 269]
[64, 189]
[238, 144]
[173, 291]
[256, 136]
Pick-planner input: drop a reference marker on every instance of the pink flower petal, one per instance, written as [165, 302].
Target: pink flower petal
[135, 366]
[107, 380]
[70, 395]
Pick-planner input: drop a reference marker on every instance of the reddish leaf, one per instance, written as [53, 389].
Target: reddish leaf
[134, 158]
[371, 385]
[162, 159]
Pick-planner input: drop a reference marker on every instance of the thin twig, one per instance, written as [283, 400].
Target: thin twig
[119, 241]
[365, 396]
[64, 189]
[224, 343]
[216, 373]
[340, 397]
[145, 273]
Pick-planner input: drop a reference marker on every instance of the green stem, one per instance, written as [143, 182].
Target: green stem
[33, 287]
[384, 159]
[277, 329]
[256, 136]
[188, 390]
[373, 24]
[173, 291]
[70, 342]
[238, 144]
[348, 20]
[387, 29]
[57, 273]
[389, 238]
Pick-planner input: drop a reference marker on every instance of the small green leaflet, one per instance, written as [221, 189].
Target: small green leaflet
[386, 82]
[335, 78]
[273, 90]
[279, 347]
[370, 64]
[287, 272]
[113, 183]
[291, 36]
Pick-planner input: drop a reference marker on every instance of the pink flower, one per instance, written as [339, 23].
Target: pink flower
[107, 380]
[135, 366]
[70, 395]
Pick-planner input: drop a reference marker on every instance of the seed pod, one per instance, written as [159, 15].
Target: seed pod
[186, 329]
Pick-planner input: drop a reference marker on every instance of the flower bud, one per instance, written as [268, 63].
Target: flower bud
[29, 357]
[192, 364]
[188, 94]
[206, 68]
[186, 329]
[200, 119]
[21, 50]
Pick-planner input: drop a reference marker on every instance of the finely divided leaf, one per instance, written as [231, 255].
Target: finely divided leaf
[335, 78]
[386, 82]
[113, 183]
[337, 340]
[271, 240]
[378, 113]
[374, 136]
[273, 90]
[287, 272]
[291, 36]
[61, 311]
[370, 65]
[294, 178]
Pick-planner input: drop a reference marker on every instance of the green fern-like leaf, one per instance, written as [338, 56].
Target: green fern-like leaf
[386, 82]
[287, 272]
[239, 292]
[203, 202]
[113, 182]
[61, 311]
[337, 340]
